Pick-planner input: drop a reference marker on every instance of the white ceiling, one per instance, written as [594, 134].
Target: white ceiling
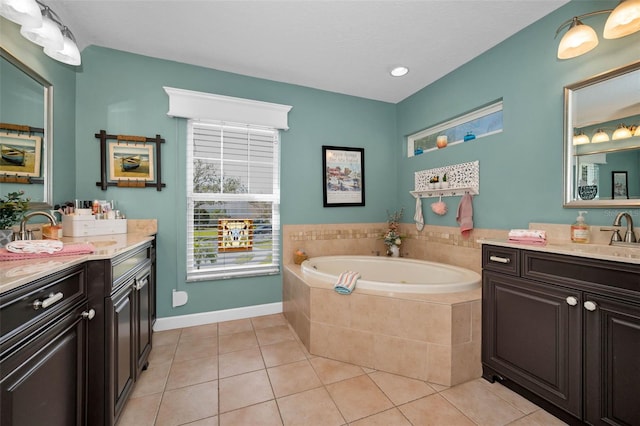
[345, 46]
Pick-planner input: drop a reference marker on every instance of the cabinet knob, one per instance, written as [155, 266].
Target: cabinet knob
[590, 306]
[89, 315]
[571, 301]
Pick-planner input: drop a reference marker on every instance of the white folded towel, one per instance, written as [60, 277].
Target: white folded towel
[346, 282]
[34, 246]
[418, 218]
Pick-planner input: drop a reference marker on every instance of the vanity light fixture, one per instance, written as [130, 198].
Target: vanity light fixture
[624, 20]
[399, 71]
[580, 39]
[46, 35]
[600, 136]
[22, 12]
[580, 138]
[69, 54]
[49, 32]
[637, 132]
[622, 132]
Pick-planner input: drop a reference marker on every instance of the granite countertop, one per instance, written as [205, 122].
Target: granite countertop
[616, 253]
[15, 273]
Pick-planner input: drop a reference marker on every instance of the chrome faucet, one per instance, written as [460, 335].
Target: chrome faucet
[629, 236]
[26, 235]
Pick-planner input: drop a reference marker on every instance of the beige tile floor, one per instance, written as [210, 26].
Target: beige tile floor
[256, 372]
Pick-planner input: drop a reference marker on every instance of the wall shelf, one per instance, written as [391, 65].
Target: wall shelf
[462, 178]
[444, 192]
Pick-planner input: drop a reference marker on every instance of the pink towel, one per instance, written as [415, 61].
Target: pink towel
[534, 241]
[465, 215]
[67, 250]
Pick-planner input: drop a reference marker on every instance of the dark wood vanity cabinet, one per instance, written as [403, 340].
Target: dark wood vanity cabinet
[43, 351]
[564, 331]
[123, 289]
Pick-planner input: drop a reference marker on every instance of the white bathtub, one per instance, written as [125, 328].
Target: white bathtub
[394, 274]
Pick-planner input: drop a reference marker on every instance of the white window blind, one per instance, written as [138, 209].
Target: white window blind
[233, 195]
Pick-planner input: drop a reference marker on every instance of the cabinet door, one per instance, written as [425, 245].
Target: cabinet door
[532, 335]
[612, 361]
[144, 322]
[121, 347]
[44, 382]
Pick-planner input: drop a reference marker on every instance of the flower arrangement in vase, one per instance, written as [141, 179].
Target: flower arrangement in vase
[392, 238]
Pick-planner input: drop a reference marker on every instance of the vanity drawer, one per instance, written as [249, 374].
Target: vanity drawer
[588, 274]
[40, 301]
[501, 259]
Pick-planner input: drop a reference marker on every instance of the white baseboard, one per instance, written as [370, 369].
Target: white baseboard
[170, 323]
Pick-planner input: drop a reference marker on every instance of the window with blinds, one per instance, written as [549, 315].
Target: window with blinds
[233, 195]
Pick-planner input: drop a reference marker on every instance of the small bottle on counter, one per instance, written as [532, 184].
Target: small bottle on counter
[580, 230]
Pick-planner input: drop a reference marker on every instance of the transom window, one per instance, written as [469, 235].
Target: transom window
[481, 122]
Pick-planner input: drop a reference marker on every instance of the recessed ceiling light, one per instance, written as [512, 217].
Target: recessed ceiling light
[399, 71]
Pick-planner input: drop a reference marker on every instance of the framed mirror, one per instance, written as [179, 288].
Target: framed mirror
[602, 140]
[26, 136]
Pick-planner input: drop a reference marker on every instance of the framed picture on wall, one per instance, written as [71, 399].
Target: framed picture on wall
[342, 176]
[131, 162]
[619, 185]
[21, 155]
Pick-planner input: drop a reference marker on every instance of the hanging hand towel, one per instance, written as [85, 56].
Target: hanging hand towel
[418, 218]
[346, 282]
[465, 215]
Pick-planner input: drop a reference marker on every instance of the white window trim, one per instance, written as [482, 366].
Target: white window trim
[208, 106]
[201, 106]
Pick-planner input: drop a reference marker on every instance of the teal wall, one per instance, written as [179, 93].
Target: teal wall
[122, 94]
[520, 168]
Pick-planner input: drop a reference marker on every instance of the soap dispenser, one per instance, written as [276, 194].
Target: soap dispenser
[580, 230]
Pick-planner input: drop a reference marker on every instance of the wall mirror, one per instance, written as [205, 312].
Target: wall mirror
[602, 140]
[26, 101]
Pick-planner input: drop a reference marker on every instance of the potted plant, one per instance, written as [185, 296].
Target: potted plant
[444, 184]
[12, 208]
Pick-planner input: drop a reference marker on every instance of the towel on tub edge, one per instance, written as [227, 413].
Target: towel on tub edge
[346, 282]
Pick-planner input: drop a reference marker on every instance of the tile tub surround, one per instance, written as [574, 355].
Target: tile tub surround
[433, 337]
[434, 243]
